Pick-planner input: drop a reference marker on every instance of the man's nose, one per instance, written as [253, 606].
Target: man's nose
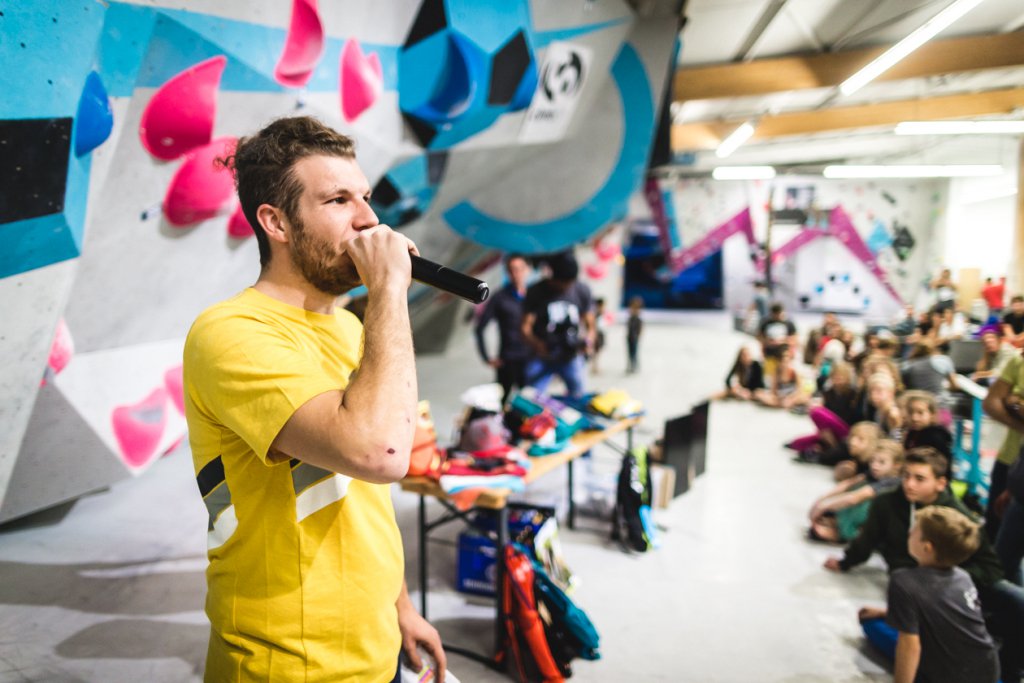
[365, 218]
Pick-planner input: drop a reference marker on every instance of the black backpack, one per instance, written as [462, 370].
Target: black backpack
[634, 492]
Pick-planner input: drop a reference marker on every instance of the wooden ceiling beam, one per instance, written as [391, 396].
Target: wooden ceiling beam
[764, 76]
[708, 135]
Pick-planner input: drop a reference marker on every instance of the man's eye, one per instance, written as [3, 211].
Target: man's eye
[340, 200]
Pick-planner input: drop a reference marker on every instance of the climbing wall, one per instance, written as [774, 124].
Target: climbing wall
[482, 126]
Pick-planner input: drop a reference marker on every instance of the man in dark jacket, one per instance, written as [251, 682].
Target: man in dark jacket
[886, 530]
[506, 308]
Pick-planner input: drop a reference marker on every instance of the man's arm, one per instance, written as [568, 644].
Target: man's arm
[527, 329]
[417, 631]
[908, 657]
[996, 409]
[366, 431]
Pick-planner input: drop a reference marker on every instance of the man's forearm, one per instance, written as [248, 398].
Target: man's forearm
[384, 391]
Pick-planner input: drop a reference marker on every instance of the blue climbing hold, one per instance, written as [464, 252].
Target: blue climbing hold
[95, 119]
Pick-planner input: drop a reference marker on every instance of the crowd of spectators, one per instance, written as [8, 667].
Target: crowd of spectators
[882, 405]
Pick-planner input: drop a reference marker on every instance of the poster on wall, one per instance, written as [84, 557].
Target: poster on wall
[792, 205]
[561, 79]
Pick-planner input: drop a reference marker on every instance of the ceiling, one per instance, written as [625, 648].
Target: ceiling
[779, 62]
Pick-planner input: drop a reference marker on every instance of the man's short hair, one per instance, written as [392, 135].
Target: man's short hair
[926, 455]
[564, 267]
[1016, 297]
[263, 165]
[954, 535]
[777, 308]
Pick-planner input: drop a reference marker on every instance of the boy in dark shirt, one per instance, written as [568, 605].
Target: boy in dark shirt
[935, 607]
[558, 324]
[892, 514]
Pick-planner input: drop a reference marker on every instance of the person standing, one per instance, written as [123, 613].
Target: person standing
[993, 293]
[945, 290]
[558, 325]
[299, 417]
[634, 326]
[506, 309]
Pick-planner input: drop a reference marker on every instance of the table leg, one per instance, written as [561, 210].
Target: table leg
[975, 476]
[423, 556]
[499, 588]
[629, 439]
[571, 521]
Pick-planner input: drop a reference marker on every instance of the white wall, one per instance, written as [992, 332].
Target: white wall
[980, 220]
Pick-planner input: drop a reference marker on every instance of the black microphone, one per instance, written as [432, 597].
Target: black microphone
[452, 281]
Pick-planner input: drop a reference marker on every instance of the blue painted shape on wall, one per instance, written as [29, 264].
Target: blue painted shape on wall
[94, 119]
[35, 243]
[46, 52]
[670, 216]
[610, 200]
[879, 238]
[545, 38]
[490, 24]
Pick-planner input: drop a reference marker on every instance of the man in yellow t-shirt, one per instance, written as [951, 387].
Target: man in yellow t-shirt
[1005, 403]
[299, 418]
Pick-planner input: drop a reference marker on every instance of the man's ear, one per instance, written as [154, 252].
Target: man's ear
[943, 483]
[273, 222]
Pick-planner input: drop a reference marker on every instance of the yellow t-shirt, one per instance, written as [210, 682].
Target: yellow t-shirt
[1012, 374]
[305, 565]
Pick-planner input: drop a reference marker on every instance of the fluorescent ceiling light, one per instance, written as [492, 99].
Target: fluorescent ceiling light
[960, 128]
[743, 173]
[897, 52]
[735, 139]
[921, 171]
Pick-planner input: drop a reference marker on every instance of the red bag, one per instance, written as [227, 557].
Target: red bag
[522, 620]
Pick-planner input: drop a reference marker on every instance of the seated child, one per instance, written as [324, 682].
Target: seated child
[921, 417]
[787, 388]
[882, 407]
[834, 417]
[934, 607]
[745, 377]
[850, 456]
[838, 515]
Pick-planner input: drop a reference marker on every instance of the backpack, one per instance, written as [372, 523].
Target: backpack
[570, 625]
[528, 642]
[632, 496]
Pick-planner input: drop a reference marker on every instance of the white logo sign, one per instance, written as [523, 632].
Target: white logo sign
[559, 85]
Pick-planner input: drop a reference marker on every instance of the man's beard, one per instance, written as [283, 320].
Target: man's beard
[319, 263]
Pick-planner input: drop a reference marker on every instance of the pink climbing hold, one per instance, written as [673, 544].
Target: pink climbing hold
[238, 225]
[180, 116]
[361, 80]
[174, 384]
[139, 427]
[63, 348]
[303, 45]
[200, 189]
[596, 270]
[607, 250]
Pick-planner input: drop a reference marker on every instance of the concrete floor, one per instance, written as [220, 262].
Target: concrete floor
[110, 588]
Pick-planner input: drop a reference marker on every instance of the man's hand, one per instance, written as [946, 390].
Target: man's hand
[416, 632]
[494, 363]
[832, 564]
[381, 257]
